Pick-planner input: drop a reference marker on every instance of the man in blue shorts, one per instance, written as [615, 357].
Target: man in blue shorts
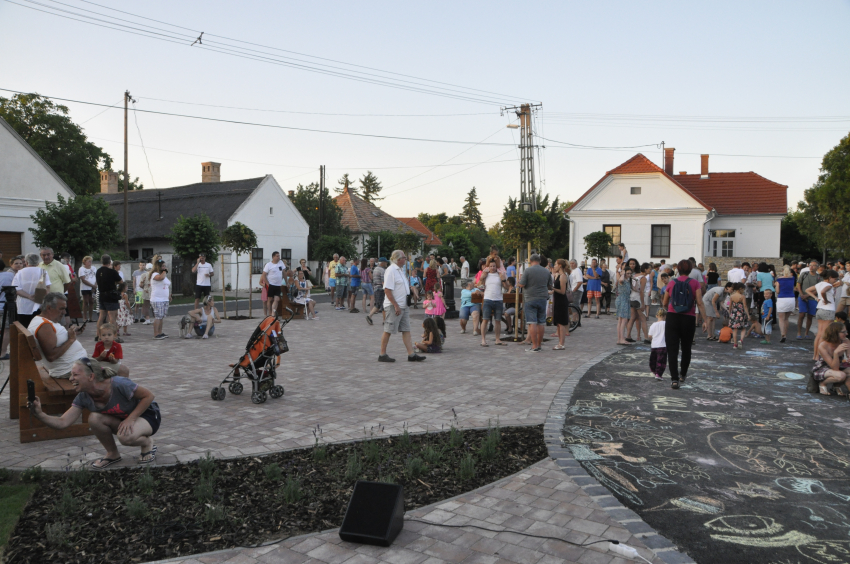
[535, 283]
[808, 306]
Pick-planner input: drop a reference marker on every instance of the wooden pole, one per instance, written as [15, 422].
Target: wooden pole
[250, 294]
[126, 182]
[223, 285]
[516, 299]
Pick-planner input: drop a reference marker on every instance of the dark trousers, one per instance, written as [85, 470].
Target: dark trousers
[679, 331]
[658, 361]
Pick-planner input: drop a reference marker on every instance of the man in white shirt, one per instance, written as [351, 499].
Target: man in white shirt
[464, 272]
[737, 274]
[59, 346]
[493, 283]
[272, 277]
[576, 280]
[396, 290]
[203, 283]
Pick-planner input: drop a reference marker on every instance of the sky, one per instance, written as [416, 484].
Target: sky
[757, 85]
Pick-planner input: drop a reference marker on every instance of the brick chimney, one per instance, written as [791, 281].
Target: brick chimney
[704, 166]
[108, 182]
[683, 172]
[668, 160]
[291, 194]
[210, 172]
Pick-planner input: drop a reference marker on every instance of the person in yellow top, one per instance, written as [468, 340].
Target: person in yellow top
[332, 276]
[57, 271]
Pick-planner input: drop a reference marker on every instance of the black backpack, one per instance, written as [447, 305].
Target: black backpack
[682, 298]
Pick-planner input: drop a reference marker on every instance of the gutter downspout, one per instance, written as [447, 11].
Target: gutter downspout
[711, 215]
[572, 238]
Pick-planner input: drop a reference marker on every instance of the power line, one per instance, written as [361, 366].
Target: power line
[712, 119]
[657, 145]
[136, 119]
[103, 112]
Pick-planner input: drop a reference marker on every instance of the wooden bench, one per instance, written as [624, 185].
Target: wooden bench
[56, 395]
[285, 302]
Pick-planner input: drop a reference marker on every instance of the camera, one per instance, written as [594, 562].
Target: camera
[11, 293]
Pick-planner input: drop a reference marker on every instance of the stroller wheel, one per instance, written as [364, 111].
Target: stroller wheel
[276, 392]
[258, 397]
[218, 394]
[235, 388]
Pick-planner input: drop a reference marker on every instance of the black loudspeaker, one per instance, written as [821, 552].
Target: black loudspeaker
[375, 514]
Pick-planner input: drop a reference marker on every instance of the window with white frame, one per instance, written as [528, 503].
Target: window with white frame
[721, 242]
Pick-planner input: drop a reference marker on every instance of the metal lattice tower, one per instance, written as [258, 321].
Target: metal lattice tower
[527, 185]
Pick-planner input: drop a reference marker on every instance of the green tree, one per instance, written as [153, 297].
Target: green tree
[521, 227]
[794, 242]
[380, 243]
[598, 244]
[409, 242]
[58, 140]
[826, 205]
[191, 236]
[471, 214]
[457, 243]
[557, 245]
[327, 245]
[79, 226]
[346, 181]
[306, 201]
[239, 239]
[370, 187]
[134, 184]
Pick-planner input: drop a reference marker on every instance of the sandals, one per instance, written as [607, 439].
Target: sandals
[484, 345]
[675, 385]
[824, 391]
[369, 320]
[558, 348]
[151, 454]
[107, 462]
[501, 344]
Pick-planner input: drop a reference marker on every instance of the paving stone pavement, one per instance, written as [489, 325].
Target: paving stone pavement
[332, 378]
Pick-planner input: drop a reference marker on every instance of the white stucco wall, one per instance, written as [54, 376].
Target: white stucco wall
[283, 229]
[755, 235]
[657, 192]
[25, 184]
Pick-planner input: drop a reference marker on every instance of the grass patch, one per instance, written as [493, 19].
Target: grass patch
[13, 497]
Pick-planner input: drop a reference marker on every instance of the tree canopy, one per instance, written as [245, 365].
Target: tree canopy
[327, 245]
[370, 188]
[471, 214]
[598, 244]
[306, 201]
[521, 227]
[57, 139]
[556, 244]
[79, 226]
[191, 236]
[344, 181]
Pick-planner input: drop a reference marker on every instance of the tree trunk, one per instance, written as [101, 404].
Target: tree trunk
[250, 295]
[187, 284]
[237, 286]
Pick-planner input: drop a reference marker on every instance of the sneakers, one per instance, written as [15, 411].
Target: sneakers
[355, 310]
[161, 336]
[188, 337]
[369, 320]
[385, 358]
[415, 358]
[658, 378]
[538, 349]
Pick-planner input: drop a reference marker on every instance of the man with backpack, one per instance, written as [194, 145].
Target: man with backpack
[680, 299]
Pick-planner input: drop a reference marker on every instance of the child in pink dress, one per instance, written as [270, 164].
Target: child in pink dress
[429, 304]
[439, 304]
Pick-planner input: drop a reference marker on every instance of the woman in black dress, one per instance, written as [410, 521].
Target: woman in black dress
[561, 305]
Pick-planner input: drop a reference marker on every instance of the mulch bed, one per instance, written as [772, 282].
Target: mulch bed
[141, 515]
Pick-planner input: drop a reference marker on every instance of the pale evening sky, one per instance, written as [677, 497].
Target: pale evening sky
[724, 78]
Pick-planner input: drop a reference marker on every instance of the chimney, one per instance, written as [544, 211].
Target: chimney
[704, 168]
[683, 172]
[291, 194]
[108, 182]
[210, 172]
[668, 160]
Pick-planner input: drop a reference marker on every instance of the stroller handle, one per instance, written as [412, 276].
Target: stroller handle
[291, 315]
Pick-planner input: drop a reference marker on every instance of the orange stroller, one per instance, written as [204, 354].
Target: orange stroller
[259, 362]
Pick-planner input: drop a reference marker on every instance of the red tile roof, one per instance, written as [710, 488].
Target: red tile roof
[431, 240]
[737, 193]
[730, 193]
[359, 216]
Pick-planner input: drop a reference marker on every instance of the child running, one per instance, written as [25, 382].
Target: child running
[658, 352]
[738, 318]
[766, 313]
[431, 342]
[107, 350]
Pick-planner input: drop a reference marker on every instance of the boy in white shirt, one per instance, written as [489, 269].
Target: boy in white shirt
[658, 354]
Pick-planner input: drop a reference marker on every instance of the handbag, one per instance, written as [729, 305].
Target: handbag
[40, 290]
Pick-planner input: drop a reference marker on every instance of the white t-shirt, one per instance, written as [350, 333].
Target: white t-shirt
[828, 293]
[88, 274]
[202, 271]
[464, 270]
[27, 279]
[395, 282]
[842, 291]
[159, 288]
[576, 278]
[656, 331]
[64, 363]
[493, 287]
[736, 275]
[274, 273]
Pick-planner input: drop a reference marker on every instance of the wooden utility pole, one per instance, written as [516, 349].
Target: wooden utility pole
[126, 181]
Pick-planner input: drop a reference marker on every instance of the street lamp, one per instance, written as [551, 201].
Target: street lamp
[526, 206]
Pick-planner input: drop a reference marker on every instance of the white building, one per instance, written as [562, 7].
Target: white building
[712, 216]
[27, 183]
[260, 203]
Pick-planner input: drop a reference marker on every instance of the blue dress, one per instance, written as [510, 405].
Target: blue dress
[623, 291]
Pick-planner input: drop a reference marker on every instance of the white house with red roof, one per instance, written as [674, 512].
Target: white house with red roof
[659, 215]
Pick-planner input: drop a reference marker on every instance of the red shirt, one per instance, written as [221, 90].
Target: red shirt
[115, 350]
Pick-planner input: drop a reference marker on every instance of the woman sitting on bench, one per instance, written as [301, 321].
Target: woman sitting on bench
[118, 406]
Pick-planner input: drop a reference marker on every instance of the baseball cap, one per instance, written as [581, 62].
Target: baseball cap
[383, 259]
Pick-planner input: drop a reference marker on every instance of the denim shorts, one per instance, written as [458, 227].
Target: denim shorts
[493, 308]
[535, 311]
[466, 311]
[331, 282]
[199, 330]
[807, 306]
[367, 289]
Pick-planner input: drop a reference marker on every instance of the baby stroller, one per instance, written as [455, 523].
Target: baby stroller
[259, 363]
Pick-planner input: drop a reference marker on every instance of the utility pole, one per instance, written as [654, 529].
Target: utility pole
[527, 188]
[127, 99]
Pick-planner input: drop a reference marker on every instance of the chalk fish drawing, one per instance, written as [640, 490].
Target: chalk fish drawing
[827, 552]
[699, 504]
[582, 434]
[753, 530]
[589, 408]
[615, 487]
[821, 517]
[807, 486]
[756, 490]
[611, 396]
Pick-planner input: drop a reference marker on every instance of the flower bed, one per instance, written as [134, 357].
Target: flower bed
[139, 515]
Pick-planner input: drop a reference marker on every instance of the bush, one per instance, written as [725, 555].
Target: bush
[291, 490]
[207, 466]
[214, 514]
[57, 534]
[80, 477]
[204, 491]
[32, 475]
[414, 467]
[273, 472]
[432, 455]
[353, 467]
[455, 437]
[67, 504]
[146, 482]
[5, 475]
[467, 468]
[136, 508]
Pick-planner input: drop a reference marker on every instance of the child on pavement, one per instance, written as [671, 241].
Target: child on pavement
[109, 352]
[658, 352]
[766, 313]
